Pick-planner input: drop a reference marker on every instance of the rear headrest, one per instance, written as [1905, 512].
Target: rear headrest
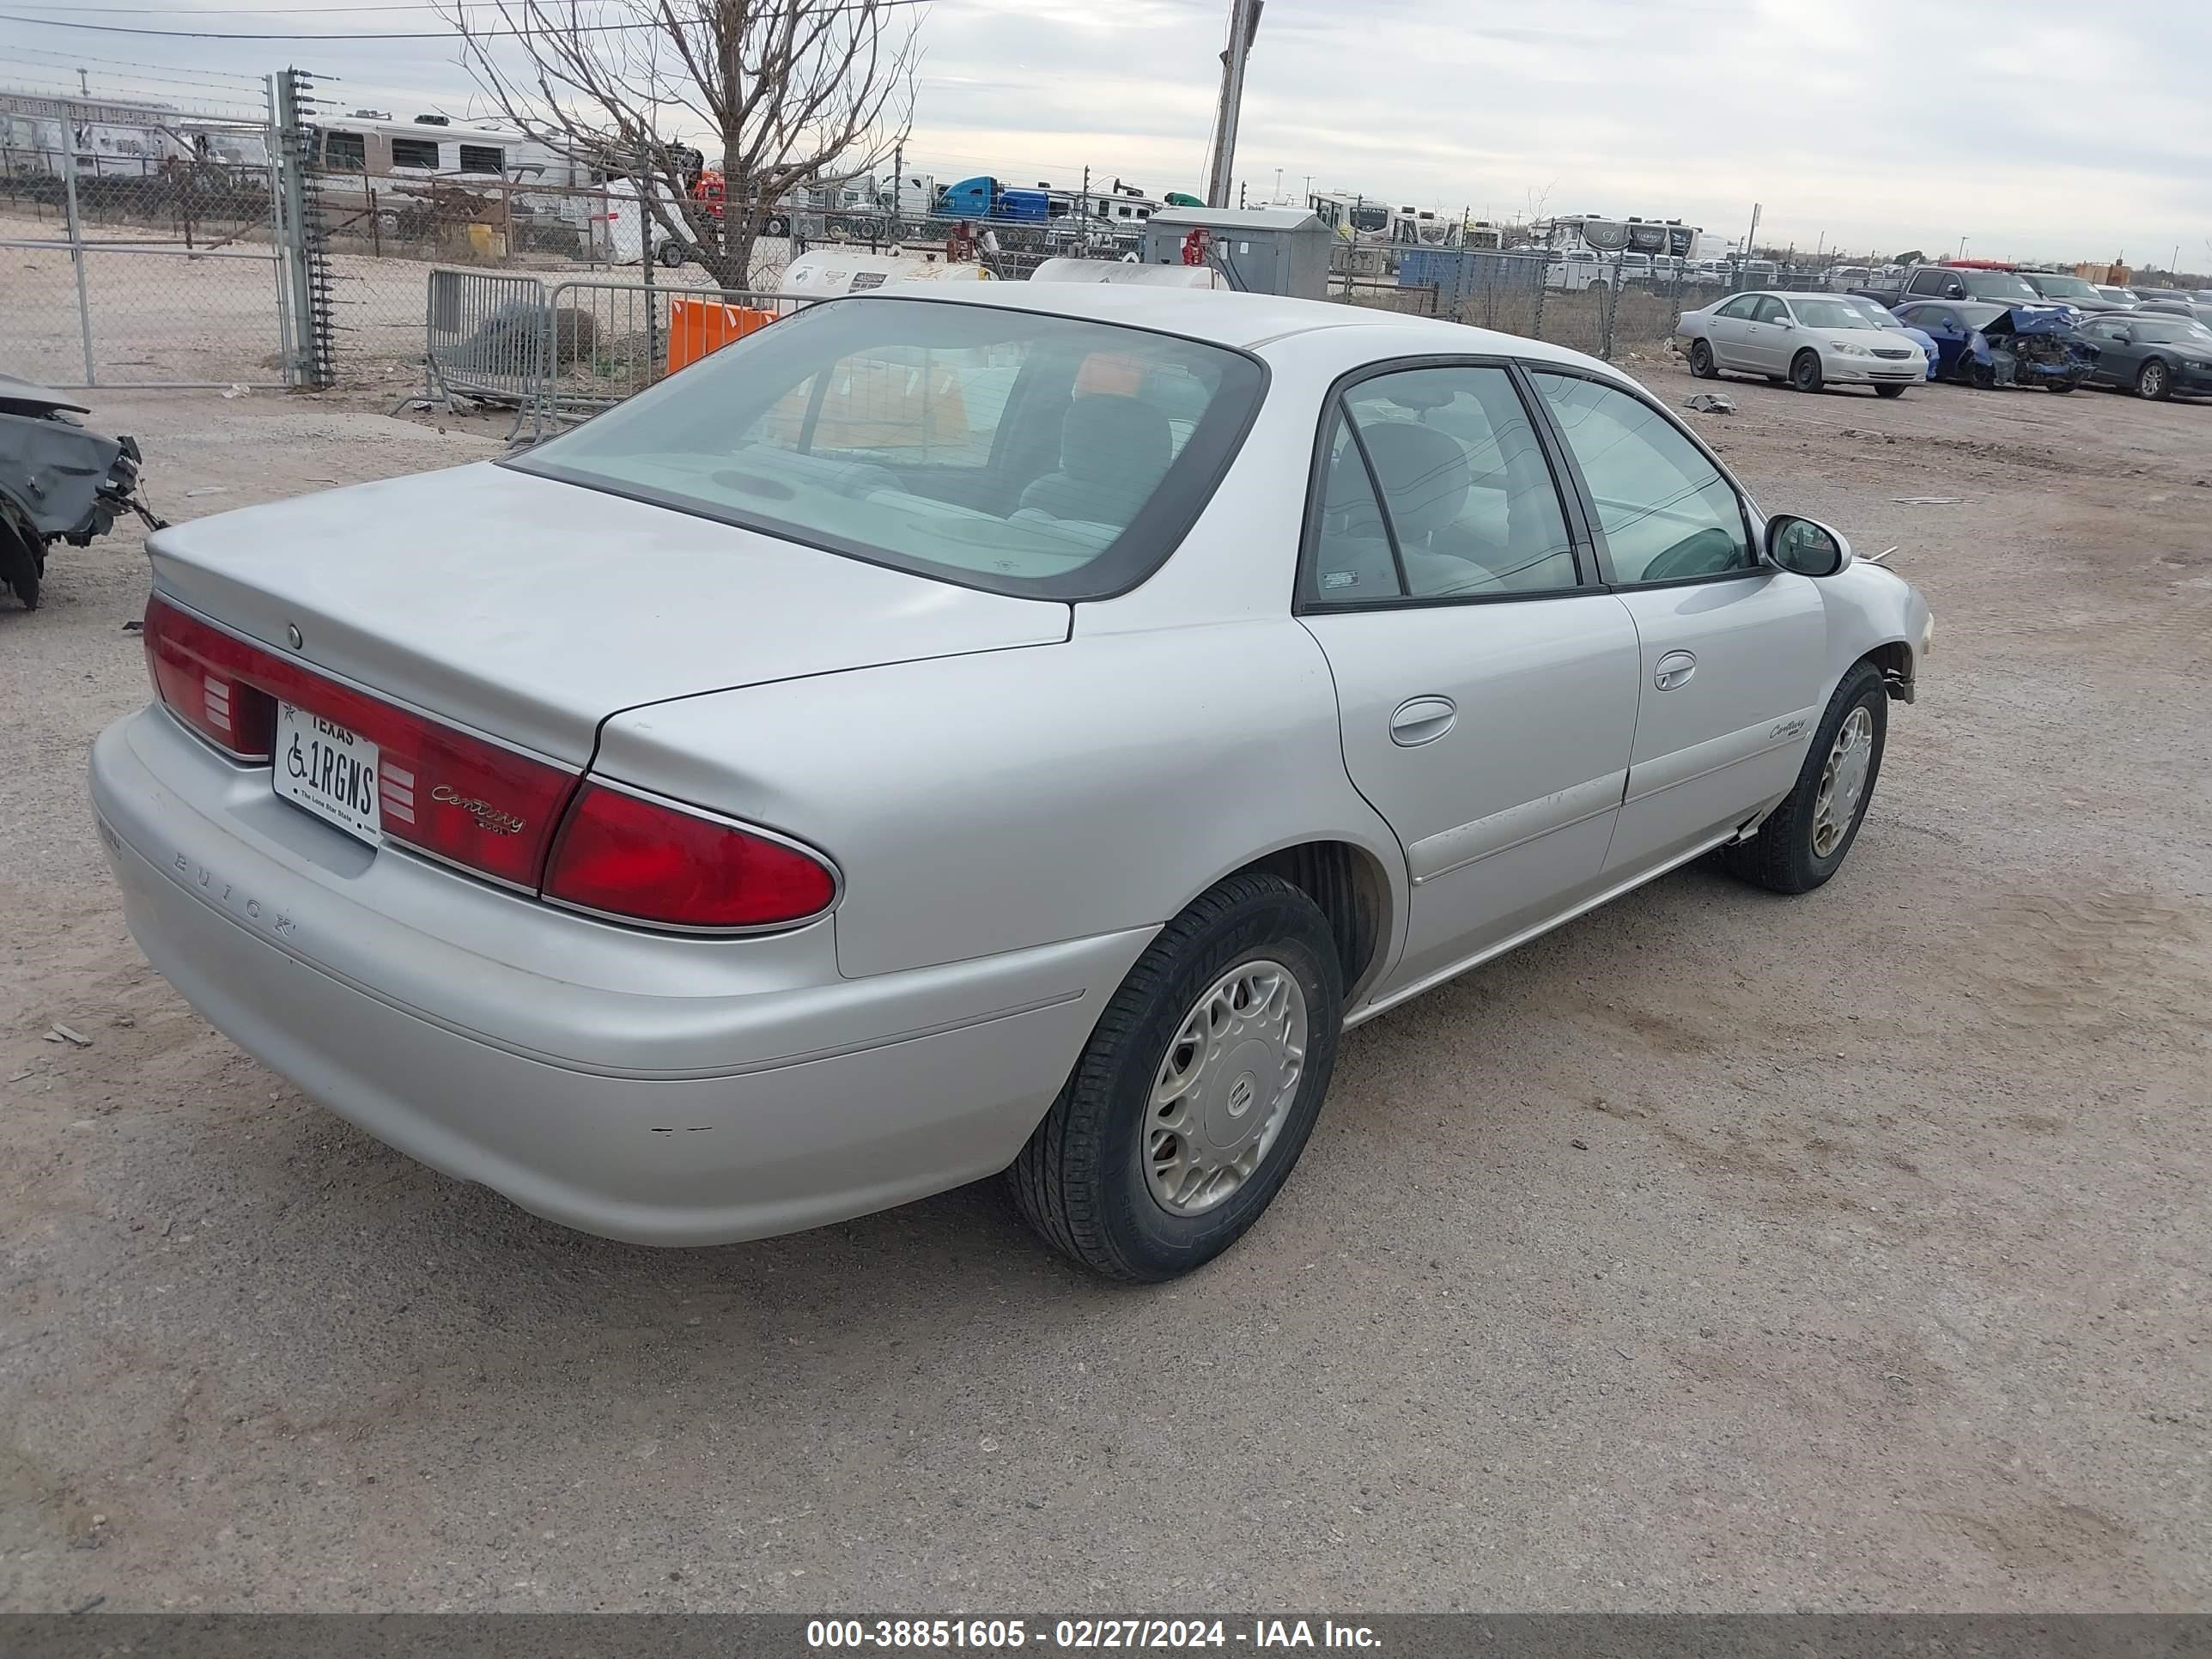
[1113, 440]
[1424, 473]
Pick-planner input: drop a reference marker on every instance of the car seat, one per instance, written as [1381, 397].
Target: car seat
[1113, 451]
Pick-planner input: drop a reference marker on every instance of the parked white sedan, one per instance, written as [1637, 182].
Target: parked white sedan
[1810, 340]
[952, 732]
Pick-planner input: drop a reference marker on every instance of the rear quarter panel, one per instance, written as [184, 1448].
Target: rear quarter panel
[994, 801]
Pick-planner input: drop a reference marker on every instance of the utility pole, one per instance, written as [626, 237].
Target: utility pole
[1244, 23]
[83, 86]
[1751, 236]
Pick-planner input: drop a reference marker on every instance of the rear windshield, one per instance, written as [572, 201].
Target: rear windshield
[1045, 456]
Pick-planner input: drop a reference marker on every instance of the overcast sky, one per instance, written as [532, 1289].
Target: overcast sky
[2032, 128]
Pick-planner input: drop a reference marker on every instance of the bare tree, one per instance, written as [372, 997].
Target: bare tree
[781, 95]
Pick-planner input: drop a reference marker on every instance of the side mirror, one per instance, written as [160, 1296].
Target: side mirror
[1805, 546]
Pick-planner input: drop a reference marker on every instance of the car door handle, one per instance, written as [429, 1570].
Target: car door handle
[1422, 719]
[1673, 670]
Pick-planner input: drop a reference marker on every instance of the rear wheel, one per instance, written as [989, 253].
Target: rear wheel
[1195, 1094]
[671, 254]
[1889, 392]
[1804, 840]
[1701, 361]
[1805, 371]
[2154, 382]
[23, 563]
[775, 225]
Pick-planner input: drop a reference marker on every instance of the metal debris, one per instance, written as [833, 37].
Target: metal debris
[1711, 402]
[62, 1033]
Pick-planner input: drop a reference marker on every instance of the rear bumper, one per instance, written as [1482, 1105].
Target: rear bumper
[661, 1091]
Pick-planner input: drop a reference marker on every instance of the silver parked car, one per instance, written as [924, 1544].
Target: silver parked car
[1811, 340]
[951, 733]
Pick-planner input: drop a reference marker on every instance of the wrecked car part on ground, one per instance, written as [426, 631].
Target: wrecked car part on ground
[59, 482]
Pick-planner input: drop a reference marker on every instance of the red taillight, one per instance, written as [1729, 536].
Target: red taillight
[458, 797]
[624, 856]
[200, 674]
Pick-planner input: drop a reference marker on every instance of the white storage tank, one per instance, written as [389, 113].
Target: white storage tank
[1129, 273]
[827, 272]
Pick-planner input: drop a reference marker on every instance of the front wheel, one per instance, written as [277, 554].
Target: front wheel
[1804, 840]
[2154, 382]
[1889, 392]
[671, 255]
[1197, 1091]
[1701, 361]
[1805, 371]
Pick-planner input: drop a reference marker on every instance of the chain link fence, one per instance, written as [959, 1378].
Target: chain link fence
[166, 266]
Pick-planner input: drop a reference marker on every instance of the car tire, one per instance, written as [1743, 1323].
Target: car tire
[1805, 372]
[1701, 361]
[2061, 387]
[23, 563]
[1099, 1176]
[1889, 392]
[669, 255]
[2154, 380]
[1804, 840]
[775, 225]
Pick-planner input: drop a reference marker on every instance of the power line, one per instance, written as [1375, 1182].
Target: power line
[71, 60]
[397, 35]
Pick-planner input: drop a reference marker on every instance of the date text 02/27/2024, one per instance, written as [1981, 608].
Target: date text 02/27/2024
[1009, 1635]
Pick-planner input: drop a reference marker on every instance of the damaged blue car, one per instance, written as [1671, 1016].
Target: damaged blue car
[1992, 345]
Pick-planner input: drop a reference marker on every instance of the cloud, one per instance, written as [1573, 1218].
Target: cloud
[2033, 127]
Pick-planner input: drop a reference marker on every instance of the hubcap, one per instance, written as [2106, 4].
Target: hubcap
[1843, 781]
[2153, 378]
[1224, 1087]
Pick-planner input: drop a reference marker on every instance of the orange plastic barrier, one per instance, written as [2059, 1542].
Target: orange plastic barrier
[697, 327]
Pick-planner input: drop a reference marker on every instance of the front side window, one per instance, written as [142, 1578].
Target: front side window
[1771, 310]
[345, 152]
[414, 152]
[483, 158]
[1043, 456]
[1666, 512]
[1469, 508]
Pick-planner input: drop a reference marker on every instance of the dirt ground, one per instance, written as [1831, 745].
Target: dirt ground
[1716, 1252]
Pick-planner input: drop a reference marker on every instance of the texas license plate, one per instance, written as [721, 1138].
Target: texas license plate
[329, 770]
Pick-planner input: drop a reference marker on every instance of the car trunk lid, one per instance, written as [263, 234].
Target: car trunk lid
[532, 610]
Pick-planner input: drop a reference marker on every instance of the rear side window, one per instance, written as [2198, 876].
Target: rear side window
[345, 152]
[1045, 456]
[1667, 513]
[1469, 508]
[414, 152]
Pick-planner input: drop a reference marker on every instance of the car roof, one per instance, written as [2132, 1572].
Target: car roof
[1242, 321]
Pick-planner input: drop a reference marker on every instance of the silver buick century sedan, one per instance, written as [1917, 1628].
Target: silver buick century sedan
[948, 732]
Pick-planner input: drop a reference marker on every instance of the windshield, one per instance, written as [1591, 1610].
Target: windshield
[1036, 455]
[1995, 285]
[1370, 218]
[2063, 288]
[1875, 312]
[2168, 330]
[1830, 313]
[1976, 316]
